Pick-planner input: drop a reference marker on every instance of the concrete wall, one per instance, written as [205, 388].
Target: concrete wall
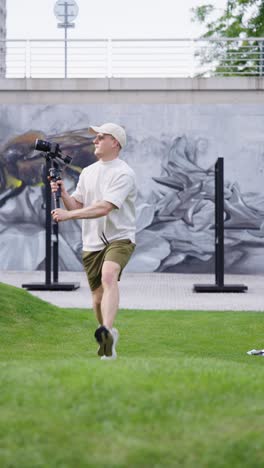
[233, 90]
[176, 129]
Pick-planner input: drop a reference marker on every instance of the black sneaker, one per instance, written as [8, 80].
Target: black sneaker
[115, 335]
[105, 340]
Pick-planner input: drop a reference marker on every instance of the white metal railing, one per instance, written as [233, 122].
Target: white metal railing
[92, 58]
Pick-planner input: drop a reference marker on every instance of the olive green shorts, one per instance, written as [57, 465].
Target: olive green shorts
[118, 251]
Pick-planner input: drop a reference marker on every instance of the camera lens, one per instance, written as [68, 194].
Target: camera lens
[42, 145]
[53, 150]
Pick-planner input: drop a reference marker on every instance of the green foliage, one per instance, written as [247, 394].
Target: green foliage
[201, 12]
[183, 392]
[241, 19]
[239, 16]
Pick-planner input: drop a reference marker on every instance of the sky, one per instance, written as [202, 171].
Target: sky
[35, 19]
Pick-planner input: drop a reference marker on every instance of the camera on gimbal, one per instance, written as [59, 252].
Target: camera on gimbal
[53, 154]
[53, 150]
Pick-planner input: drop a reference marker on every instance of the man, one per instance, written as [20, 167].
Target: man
[105, 201]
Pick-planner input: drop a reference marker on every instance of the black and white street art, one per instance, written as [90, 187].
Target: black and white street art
[172, 149]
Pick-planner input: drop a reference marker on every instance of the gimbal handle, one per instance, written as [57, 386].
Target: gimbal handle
[54, 175]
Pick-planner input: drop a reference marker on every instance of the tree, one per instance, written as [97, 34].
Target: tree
[239, 21]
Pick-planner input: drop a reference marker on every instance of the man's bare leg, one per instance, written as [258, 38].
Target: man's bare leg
[97, 295]
[110, 299]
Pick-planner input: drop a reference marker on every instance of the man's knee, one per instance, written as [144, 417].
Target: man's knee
[110, 273]
[109, 279]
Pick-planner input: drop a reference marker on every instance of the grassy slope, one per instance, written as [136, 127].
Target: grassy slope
[183, 392]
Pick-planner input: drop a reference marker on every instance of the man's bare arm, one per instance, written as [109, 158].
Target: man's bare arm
[97, 210]
[69, 202]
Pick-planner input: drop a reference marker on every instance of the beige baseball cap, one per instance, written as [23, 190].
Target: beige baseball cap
[110, 129]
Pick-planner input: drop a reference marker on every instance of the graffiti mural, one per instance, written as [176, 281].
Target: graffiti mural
[172, 149]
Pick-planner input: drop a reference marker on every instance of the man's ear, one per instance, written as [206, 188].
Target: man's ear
[117, 144]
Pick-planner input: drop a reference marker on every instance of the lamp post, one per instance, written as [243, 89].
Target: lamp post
[66, 11]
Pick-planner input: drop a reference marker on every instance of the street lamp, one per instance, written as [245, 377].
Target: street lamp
[66, 11]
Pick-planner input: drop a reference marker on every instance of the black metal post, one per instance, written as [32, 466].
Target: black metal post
[48, 225]
[56, 203]
[219, 222]
[219, 285]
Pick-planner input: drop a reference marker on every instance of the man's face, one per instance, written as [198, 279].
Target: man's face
[104, 145]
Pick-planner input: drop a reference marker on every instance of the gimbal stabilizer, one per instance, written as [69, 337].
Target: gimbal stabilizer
[54, 158]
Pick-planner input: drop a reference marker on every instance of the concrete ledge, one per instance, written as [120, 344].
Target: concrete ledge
[134, 84]
[162, 291]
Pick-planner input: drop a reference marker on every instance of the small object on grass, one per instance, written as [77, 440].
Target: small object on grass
[256, 352]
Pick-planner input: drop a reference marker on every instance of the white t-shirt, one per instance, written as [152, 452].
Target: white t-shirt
[112, 181]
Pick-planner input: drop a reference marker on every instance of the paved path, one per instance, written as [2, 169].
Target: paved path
[151, 291]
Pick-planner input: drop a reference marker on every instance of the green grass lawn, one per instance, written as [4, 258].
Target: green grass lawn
[182, 393]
